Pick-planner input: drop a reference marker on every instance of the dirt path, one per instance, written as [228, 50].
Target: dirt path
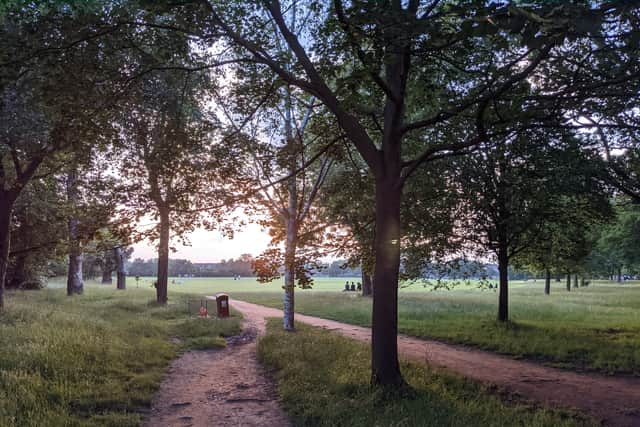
[221, 388]
[613, 400]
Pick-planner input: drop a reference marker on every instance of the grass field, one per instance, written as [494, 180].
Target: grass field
[592, 328]
[93, 360]
[323, 380]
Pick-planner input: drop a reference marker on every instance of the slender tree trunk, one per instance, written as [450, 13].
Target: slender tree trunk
[582, 280]
[291, 217]
[568, 282]
[106, 276]
[6, 210]
[162, 281]
[367, 286]
[558, 280]
[121, 281]
[289, 276]
[385, 367]
[547, 283]
[619, 275]
[503, 293]
[575, 280]
[75, 284]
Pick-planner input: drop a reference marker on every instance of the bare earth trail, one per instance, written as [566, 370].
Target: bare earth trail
[615, 401]
[221, 388]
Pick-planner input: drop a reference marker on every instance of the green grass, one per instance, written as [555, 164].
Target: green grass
[92, 360]
[323, 380]
[595, 328]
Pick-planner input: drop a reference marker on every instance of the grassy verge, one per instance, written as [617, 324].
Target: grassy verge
[92, 360]
[323, 380]
[595, 328]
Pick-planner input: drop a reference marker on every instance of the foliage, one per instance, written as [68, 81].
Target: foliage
[241, 266]
[616, 244]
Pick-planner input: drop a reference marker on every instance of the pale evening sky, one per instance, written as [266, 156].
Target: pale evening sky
[211, 246]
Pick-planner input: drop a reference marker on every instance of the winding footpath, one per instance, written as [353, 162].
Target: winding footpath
[222, 388]
[615, 401]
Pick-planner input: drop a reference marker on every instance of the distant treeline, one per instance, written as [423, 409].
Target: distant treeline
[182, 267]
[242, 266]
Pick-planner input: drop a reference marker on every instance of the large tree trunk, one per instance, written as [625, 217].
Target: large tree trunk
[503, 292]
[367, 286]
[547, 283]
[162, 281]
[568, 281]
[121, 281]
[575, 280]
[289, 275]
[6, 209]
[385, 367]
[75, 284]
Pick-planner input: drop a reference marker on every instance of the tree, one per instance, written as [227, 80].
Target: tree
[292, 217]
[169, 162]
[616, 246]
[515, 190]
[419, 70]
[38, 233]
[54, 92]
[565, 241]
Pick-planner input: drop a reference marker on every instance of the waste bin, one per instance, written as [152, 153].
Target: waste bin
[222, 304]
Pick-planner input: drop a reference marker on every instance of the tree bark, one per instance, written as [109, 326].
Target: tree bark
[503, 292]
[367, 286]
[106, 276]
[575, 280]
[162, 280]
[75, 284]
[6, 210]
[121, 281]
[547, 283]
[385, 367]
[290, 217]
[289, 275]
[568, 281]
[619, 275]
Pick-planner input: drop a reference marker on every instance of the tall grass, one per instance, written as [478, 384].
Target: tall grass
[91, 360]
[323, 380]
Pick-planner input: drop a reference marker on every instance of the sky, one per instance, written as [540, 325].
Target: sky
[211, 246]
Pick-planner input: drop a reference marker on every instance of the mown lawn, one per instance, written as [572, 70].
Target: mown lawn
[593, 328]
[323, 380]
[92, 360]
